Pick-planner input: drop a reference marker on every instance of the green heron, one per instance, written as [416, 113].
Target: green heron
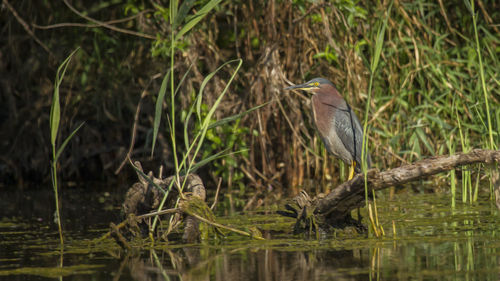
[336, 123]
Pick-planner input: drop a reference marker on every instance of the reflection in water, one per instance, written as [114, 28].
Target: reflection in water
[195, 263]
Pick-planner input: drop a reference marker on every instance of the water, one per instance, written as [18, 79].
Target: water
[432, 242]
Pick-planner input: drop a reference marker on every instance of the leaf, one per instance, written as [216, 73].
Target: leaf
[183, 10]
[200, 136]
[380, 42]
[213, 157]
[55, 115]
[196, 18]
[186, 125]
[199, 97]
[158, 109]
[55, 109]
[66, 141]
[174, 4]
[469, 5]
[236, 116]
[423, 138]
[442, 124]
[182, 79]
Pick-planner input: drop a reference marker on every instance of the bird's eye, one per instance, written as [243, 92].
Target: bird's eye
[316, 84]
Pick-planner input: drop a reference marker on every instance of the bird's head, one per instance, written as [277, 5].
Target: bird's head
[312, 85]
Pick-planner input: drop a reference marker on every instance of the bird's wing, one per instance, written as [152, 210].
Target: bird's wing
[348, 128]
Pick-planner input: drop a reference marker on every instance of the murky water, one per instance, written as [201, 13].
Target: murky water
[431, 242]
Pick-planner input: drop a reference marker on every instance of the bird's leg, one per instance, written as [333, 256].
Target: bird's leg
[351, 170]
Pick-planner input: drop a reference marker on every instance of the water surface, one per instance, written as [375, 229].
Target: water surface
[432, 241]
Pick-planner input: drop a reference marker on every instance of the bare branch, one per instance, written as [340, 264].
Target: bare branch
[26, 27]
[104, 24]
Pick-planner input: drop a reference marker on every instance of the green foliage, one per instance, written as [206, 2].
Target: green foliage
[178, 19]
[228, 136]
[329, 54]
[426, 77]
[187, 164]
[354, 11]
[195, 144]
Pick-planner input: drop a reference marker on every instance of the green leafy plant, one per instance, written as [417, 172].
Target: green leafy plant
[55, 117]
[204, 119]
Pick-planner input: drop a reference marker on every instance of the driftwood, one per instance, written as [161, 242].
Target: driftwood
[334, 210]
[143, 198]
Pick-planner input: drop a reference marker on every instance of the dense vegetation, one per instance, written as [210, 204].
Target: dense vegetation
[435, 91]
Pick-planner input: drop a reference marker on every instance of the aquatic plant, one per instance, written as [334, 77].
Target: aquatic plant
[55, 116]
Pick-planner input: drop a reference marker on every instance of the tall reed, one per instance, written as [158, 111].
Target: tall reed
[471, 7]
[55, 117]
[188, 162]
[491, 144]
[379, 42]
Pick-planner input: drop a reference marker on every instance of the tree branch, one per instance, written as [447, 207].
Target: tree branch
[334, 209]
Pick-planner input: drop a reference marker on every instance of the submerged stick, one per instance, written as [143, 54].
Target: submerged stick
[235, 230]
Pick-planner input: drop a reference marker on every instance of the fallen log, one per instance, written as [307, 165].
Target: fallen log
[142, 201]
[334, 209]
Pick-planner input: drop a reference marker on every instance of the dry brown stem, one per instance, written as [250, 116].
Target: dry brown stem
[26, 27]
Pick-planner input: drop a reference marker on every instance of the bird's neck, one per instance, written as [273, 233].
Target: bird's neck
[330, 95]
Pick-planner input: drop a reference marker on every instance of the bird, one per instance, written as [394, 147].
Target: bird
[336, 123]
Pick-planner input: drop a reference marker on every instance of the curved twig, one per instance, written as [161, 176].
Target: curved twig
[73, 24]
[104, 24]
[134, 127]
[26, 27]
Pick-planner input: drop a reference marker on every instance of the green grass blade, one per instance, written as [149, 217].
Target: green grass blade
[423, 137]
[210, 158]
[66, 141]
[55, 109]
[182, 79]
[206, 121]
[380, 42]
[199, 97]
[174, 5]
[55, 116]
[200, 136]
[470, 6]
[148, 179]
[235, 117]
[196, 18]
[158, 109]
[186, 126]
[183, 10]
[373, 66]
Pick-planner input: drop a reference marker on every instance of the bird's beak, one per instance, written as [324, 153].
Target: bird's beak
[305, 86]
